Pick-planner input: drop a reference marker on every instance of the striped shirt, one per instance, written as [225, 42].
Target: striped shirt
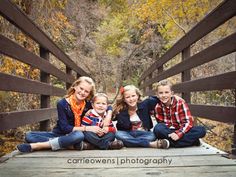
[177, 116]
[94, 119]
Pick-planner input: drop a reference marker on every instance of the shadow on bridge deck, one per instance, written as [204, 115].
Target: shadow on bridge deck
[194, 161]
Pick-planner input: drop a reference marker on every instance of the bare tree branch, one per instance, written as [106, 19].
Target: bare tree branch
[172, 18]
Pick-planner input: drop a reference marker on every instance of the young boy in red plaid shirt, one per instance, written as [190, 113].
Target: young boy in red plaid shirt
[175, 122]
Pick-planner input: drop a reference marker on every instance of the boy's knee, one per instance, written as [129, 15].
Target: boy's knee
[200, 130]
[203, 131]
[159, 127]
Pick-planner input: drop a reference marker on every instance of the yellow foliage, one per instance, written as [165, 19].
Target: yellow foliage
[170, 15]
[111, 34]
[17, 68]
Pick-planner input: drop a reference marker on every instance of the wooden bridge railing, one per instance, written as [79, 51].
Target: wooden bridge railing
[8, 120]
[225, 11]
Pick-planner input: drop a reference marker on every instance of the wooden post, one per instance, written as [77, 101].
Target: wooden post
[234, 138]
[234, 143]
[44, 99]
[68, 71]
[186, 75]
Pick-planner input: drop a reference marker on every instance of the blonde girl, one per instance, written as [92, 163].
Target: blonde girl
[68, 131]
[134, 120]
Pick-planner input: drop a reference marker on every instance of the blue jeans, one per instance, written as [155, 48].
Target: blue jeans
[135, 138]
[189, 139]
[99, 142]
[57, 141]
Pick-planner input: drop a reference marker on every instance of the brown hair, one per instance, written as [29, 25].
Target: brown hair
[120, 104]
[89, 80]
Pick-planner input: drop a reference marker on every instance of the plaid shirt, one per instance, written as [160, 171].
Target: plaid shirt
[177, 116]
[94, 119]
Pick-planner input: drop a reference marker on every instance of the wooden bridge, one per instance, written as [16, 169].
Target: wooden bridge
[194, 161]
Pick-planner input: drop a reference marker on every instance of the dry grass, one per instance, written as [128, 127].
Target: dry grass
[219, 135]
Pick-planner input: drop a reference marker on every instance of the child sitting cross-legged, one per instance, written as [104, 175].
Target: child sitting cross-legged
[102, 137]
[174, 120]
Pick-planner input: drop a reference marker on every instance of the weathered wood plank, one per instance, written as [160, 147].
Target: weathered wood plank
[217, 113]
[127, 161]
[10, 120]
[12, 49]
[227, 81]
[208, 171]
[218, 16]
[121, 162]
[19, 84]
[17, 17]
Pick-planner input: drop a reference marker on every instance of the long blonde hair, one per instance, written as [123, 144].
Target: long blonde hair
[120, 103]
[89, 80]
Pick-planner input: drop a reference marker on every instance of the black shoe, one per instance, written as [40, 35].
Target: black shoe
[24, 148]
[197, 143]
[118, 144]
[78, 146]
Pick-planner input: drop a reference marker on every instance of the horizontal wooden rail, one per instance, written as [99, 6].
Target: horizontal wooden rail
[222, 13]
[221, 48]
[12, 49]
[216, 113]
[19, 84]
[14, 15]
[227, 81]
[10, 120]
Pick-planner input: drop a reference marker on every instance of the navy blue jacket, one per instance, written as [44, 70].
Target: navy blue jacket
[66, 119]
[144, 110]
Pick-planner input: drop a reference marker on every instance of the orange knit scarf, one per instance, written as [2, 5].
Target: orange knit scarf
[77, 109]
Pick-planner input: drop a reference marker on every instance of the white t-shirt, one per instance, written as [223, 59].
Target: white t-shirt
[136, 122]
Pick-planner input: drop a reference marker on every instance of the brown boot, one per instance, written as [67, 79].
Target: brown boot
[118, 144]
[163, 144]
[87, 146]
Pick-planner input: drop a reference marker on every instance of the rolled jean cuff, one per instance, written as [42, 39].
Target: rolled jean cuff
[54, 144]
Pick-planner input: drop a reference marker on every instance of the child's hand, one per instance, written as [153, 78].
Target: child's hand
[95, 129]
[106, 122]
[105, 129]
[100, 134]
[174, 136]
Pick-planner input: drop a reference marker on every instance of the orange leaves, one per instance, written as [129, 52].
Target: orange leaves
[17, 68]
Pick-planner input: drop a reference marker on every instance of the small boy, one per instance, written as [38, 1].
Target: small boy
[175, 122]
[96, 134]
